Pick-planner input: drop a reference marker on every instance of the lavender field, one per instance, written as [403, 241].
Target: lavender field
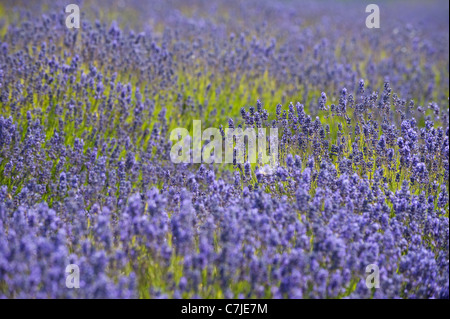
[88, 187]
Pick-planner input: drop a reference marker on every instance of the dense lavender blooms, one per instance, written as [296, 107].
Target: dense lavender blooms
[86, 176]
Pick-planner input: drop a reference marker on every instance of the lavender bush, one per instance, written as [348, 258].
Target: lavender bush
[86, 177]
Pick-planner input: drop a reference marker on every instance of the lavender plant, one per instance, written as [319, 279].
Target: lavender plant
[363, 158]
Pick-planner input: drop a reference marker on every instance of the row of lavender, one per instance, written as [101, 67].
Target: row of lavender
[86, 177]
